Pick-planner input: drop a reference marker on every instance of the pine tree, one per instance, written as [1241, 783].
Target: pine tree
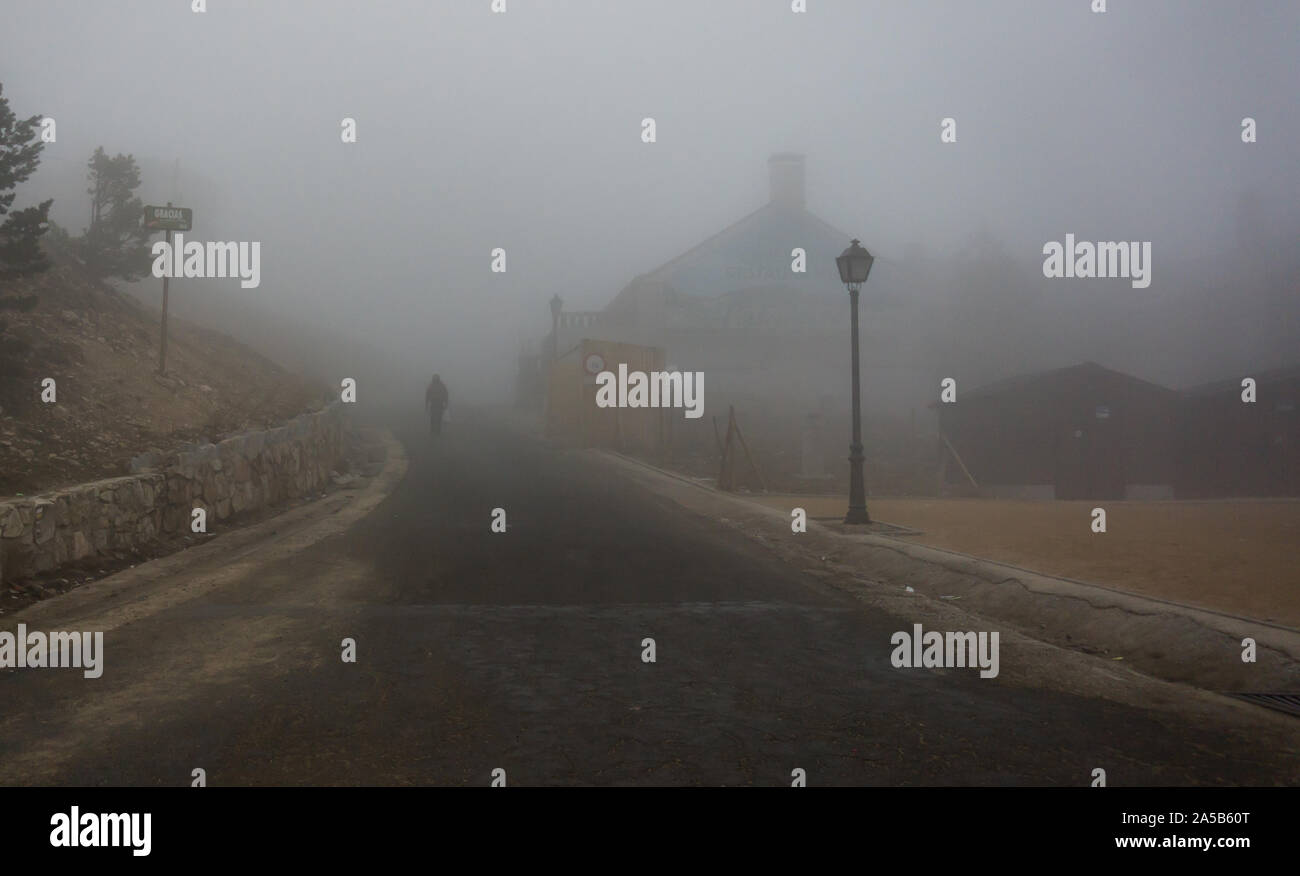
[20, 232]
[116, 242]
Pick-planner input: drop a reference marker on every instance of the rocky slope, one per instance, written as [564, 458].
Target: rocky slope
[101, 348]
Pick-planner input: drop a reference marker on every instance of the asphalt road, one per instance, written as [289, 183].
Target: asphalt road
[522, 651]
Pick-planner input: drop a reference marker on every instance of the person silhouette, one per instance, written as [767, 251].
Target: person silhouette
[435, 401]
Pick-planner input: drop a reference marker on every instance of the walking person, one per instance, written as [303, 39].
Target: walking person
[435, 401]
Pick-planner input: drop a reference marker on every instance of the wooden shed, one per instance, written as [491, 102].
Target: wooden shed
[1229, 445]
[1082, 432]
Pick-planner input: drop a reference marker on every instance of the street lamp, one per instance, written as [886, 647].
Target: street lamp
[855, 264]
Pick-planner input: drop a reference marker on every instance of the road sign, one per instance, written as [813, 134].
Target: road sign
[594, 364]
[168, 218]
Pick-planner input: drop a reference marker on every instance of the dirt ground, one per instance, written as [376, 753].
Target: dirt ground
[101, 348]
[1233, 556]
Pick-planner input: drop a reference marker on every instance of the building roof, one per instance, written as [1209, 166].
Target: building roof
[1233, 384]
[755, 253]
[1022, 382]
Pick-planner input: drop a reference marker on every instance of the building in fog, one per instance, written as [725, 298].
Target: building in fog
[733, 307]
[1230, 447]
[1083, 432]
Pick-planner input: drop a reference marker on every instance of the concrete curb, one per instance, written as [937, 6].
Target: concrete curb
[1167, 640]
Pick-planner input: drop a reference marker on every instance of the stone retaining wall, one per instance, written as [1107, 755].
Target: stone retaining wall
[242, 473]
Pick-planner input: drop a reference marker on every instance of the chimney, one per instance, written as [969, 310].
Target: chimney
[785, 171]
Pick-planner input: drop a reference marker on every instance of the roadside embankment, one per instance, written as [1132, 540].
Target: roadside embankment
[243, 473]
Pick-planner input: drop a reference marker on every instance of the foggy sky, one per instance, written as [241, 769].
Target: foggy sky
[522, 131]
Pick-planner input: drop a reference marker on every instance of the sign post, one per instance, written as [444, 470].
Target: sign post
[167, 219]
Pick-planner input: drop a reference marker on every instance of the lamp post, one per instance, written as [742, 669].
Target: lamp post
[855, 264]
[556, 306]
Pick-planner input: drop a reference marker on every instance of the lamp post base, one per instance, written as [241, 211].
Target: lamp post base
[857, 490]
[857, 516]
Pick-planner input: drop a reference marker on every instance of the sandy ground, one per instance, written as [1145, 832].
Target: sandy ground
[1233, 556]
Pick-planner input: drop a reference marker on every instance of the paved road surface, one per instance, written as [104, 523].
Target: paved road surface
[522, 651]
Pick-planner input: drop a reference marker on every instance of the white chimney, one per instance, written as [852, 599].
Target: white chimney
[785, 172]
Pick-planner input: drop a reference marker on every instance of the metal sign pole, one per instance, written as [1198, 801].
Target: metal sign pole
[167, 219]
[162, 350]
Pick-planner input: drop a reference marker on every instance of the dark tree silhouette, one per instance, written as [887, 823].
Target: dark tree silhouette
[116, 242]
[20, 232]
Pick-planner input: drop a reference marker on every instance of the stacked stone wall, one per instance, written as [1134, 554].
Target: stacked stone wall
[242, 473]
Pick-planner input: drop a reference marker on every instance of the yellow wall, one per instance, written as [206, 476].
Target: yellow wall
[572, 415]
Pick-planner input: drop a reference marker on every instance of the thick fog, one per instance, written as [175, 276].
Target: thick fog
[523, 130]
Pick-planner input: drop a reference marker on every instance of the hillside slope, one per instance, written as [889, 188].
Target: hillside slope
[101, 348]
